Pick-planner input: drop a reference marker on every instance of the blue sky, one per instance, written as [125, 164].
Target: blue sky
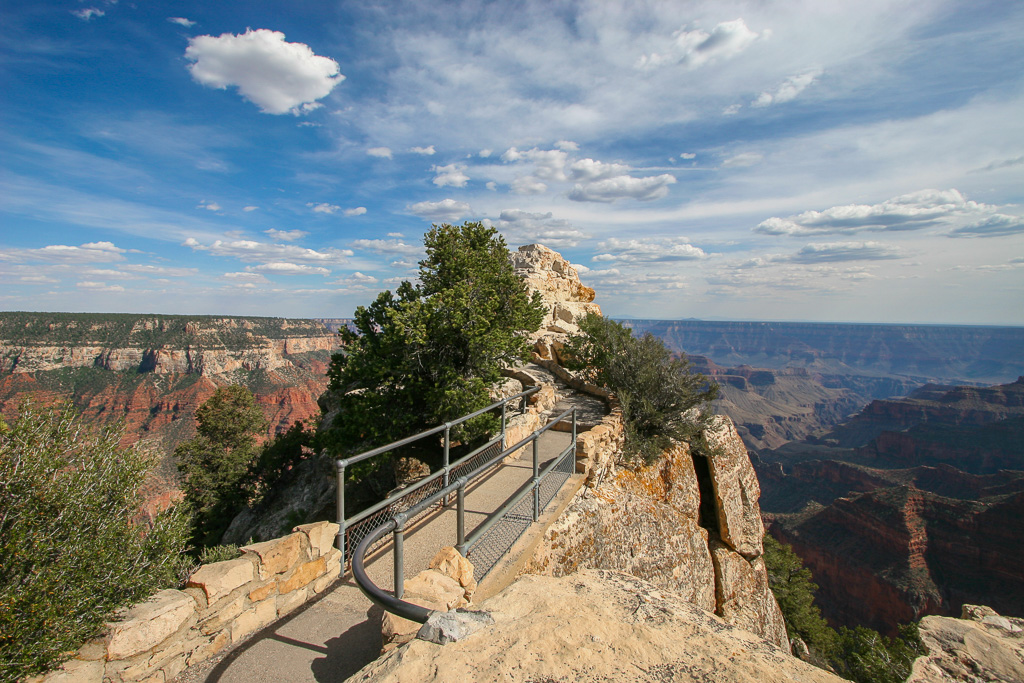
[832, 161]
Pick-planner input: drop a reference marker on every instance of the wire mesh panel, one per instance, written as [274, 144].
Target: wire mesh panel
[357, 531]
[470, 465]
[493, 545]
[559, 474]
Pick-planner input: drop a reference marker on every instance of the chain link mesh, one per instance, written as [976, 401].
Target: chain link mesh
[361, 529]
[500, 538]
[472, 463]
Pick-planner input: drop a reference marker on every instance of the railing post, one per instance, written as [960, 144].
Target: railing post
[460, 544]
[504, 406]
[536, 477]
[447, 450]
[574, 429]
[399, 552]
[339, 541]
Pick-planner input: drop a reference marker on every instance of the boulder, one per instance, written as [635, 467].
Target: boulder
[736, 489]
[743, 596]
[981, 647]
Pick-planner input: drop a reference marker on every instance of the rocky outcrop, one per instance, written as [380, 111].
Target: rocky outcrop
[594, 625]
[979, 646]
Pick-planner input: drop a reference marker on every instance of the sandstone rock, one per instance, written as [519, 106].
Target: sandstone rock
[449, 627]
[970, 650]
[594, 625]
[303, 575]
[277, 556]
[220, 578]
[75, 671]
[148, 624]
[435, 586]
[744, 597]
[736, 490]
[251, 620]
[450, 563]
[409, 471]
[321, 535]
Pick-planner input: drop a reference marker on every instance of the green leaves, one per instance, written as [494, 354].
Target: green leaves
[656, 390]
[427, 353]
[74, 545]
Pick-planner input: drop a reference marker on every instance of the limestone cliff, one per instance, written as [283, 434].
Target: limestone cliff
[979, 646]
[595, 626]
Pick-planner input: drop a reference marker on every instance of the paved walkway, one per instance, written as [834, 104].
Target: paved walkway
[333, 637]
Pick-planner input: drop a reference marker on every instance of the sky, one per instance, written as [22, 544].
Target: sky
[857, 161]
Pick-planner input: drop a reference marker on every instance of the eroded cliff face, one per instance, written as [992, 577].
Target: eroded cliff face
[153, 372]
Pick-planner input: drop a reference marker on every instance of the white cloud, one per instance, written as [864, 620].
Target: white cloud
[732, 109]
[492, 186]
[355, 279]
[277, 76]
[790, 88]
[286, 235]
[88, 14]
[446, 209]
[549, 164]
[523, 227]
[527, 185]
[379, 152]
[693, 49]
[288, 268]
[648, 250]
[845, 251]
[743, 160]
[425, 151]
[323, 207]
[485, 153]
[264, 252]
[623, 187]
[687, 155]
[181, 21]
[161, 271]
[451, 175]
[91, 252]
[390, 246]
[247, 209]
[209, 206]
[588, 170]
[356, 211]
[91, 286]
[396, 234]
[249, 278]
[998, 225]
[906, 212]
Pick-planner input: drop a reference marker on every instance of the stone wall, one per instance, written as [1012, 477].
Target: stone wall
[222, 604]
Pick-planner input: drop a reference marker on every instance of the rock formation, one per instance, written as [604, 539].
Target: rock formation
[979, 646]
[594, 625]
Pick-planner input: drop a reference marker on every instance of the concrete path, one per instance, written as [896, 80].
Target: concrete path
[333, 637]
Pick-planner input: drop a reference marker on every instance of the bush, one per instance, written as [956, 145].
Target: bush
[662, 400]
[73, 545]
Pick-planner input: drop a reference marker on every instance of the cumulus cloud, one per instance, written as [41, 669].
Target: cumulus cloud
[526, 184]
[393, 246]
[425, 151]
[649, 250]
[323, 207]
[687, 155]
[451, 175]
[790, 88]
[380, 152]
[247, 278]
[277, 76]
[356, 279]
[88, 14]
[525, 227]
[444, 210]
[845, 251]
[906, 212]
[549, 164]
[209, 206]
[693, 49]
[288, 268]
[264, 252]
[623, 187]
[732, 109]
[355, 211]
[286, 235]
[248, 209]
[743, 160]
[181, 21]
[997, 225]
[589, 170]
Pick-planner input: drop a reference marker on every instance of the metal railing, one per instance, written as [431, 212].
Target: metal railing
[352, 530]
[490, 541]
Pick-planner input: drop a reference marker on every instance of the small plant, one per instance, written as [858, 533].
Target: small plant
[74, 547]
[662, 400]
[219, 553]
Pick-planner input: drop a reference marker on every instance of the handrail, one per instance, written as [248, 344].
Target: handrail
[394, 603]
[342, 463]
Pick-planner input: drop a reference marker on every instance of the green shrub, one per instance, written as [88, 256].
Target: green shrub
[73, 546]
[662, 400]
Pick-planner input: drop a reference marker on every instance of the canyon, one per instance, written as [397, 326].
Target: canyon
[153, 371]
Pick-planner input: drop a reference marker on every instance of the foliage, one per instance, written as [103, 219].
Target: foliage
[657, 391]
[217, 461]
[427, 353]
[277, 462]
[74, 547]
[859, 654]
[219, 553]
